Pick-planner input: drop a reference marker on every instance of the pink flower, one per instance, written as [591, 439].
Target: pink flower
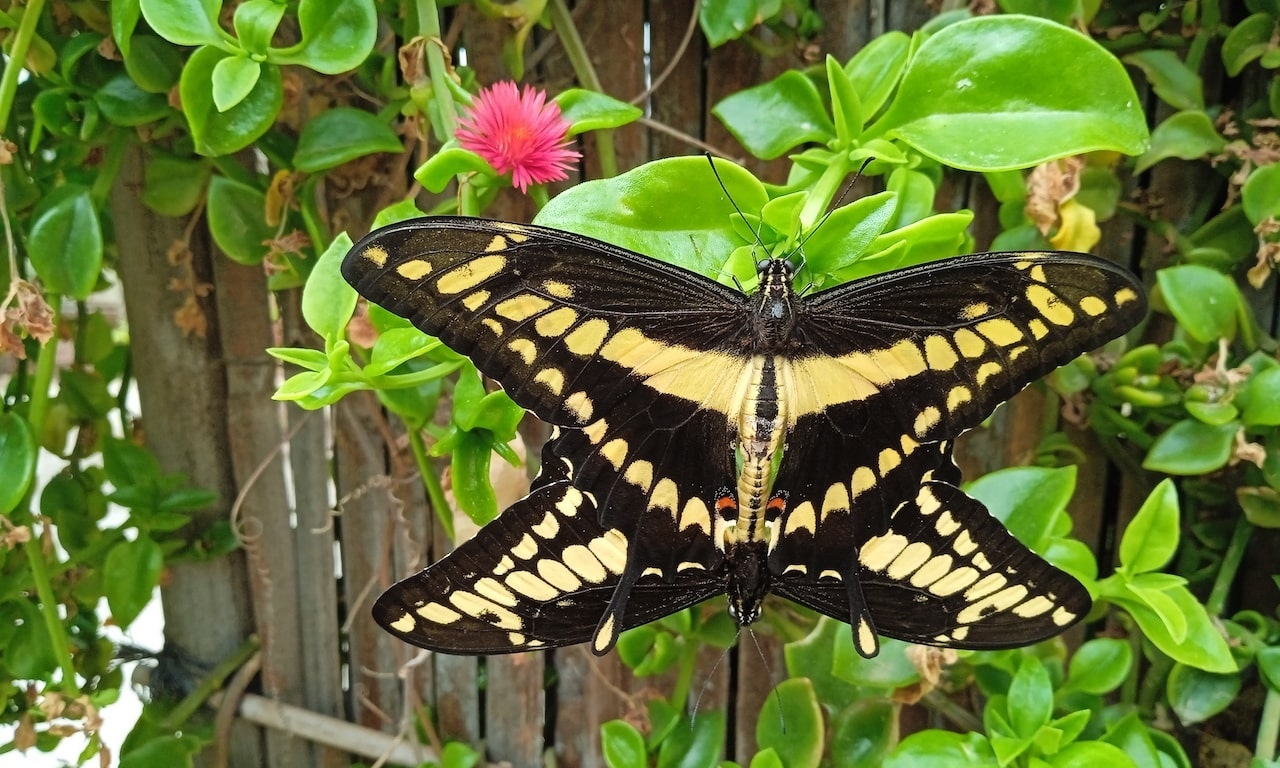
[518, 133]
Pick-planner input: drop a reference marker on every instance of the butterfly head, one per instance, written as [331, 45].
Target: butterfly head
[748, 581]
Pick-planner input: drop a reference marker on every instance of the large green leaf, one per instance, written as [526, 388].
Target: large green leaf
[1002, 92]
[223, 132]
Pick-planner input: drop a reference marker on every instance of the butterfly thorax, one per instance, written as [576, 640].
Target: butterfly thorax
[748, 581]
[774, 316]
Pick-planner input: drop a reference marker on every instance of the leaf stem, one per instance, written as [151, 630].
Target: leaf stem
[1268, 726]
[574, 48]
[430, 481]
[1231, 560]
[17, 58]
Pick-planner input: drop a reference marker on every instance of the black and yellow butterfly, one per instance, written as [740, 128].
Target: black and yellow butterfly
[711, 441]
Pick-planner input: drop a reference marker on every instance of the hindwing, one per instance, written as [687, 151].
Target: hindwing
[543, 574]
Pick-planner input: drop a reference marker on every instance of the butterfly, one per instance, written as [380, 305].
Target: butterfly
[712, 441]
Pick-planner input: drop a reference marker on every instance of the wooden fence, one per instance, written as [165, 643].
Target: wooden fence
[304, 581]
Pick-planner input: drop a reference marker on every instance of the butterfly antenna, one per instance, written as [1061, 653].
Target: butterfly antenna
[847, 189]
[706, 683]
[764, 661]
[711, 161]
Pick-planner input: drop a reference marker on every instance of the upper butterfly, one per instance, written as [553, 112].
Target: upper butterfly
[712, 441]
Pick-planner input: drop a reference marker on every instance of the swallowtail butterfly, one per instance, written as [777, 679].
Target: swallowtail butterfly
[710, 441]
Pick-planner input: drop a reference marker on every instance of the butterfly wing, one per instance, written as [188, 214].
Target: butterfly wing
[946, 572]
[891, 366]
[931, 351]
[543, 574]
[568, 325]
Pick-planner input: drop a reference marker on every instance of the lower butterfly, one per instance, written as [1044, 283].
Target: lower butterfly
[714, 442]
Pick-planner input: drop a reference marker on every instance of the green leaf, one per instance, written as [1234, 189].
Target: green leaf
[694, 745]
[237, 220]
[233, 79]
[774, 117]
[1262, 408]
[1268, 660]
[1133, 737]
[1172, 80]
[1099, 666]
[813, 658]
[862, 732]
[185, 22]
[17, 461]
[963, 99]
[1030, 697]
[337, 35]
[876, 69]
[447, 164]
[129, 465]
[124, 20]
[123, 103]
[340, 135]
[1260, 194]
[765, 758]
[163, 751]
[725, 20]
[588, 110]
[152, 62]
[942, 749]
[1191, 447]
[622, 744]
[28, 654]
[65, 242]
[172, 186]
[469, 465]
[1151, 538]
[1204, 302]
[130, 573]
[328, 301]
[1197, 695]
[256, 22]
[664, 210]
[1247, 41]
[1029, 501]
[847, 233]
[216, 132]
[846, 107]
[889, 670]
[790, 723]
[1091, 754]
[1188, 135]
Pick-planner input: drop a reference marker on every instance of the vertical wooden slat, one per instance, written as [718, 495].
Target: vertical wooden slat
[365, 531]
[263, 517]
[514, 705]
[678, 101]
[756, 679]
[314, 539]
[590, 690]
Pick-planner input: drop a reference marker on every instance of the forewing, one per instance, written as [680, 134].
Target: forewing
[568, 325]
[543, 574]
[930, 351]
